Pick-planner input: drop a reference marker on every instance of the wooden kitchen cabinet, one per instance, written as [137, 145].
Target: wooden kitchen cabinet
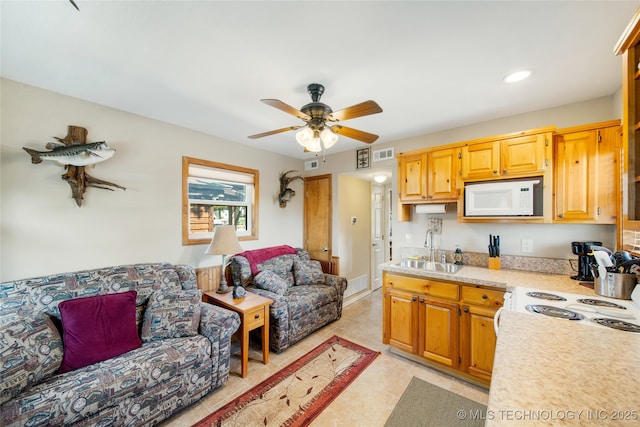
[478, 340]
[428, 176]
[587, 173]
[442, 174]
[628, 221]
[439, 331]
[401, 326]
[446, 324]
[481, 160]
[508, 156]
[412, 177]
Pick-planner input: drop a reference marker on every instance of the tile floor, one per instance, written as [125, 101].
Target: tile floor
[368, 401]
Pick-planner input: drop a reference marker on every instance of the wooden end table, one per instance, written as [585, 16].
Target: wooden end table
[254, 313]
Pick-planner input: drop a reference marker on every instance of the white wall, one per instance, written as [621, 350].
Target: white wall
[43, 231]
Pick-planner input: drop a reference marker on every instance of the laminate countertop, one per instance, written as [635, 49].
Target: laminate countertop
[550, 371]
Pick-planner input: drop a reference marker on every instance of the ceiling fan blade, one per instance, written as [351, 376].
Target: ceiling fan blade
[354, 133]
[276, 103]
[363, 109]
[273, 132]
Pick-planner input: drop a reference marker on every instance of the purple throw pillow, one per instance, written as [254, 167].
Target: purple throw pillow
[98, 328]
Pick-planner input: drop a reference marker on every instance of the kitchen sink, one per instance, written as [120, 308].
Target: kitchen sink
[430, 266]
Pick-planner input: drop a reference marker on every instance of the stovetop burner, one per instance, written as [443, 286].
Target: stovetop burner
[600, 303]
[546, 296]
[558, 312]
[617, 324]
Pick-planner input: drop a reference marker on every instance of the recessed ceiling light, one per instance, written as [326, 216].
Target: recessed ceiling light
[517, 76]
[380, 178]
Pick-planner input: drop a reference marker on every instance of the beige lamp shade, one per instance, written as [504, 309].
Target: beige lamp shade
[224, 242]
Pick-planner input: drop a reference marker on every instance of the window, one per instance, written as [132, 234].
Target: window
[217, 194]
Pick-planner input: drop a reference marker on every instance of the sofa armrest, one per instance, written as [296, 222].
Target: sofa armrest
[340, 283]
[218, 325]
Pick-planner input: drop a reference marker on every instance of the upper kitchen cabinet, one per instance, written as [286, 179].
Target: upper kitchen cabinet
[513, 155]
[481, 160]
[628, 224]
[412, 176]
[428, 176]
[586, 173]
[442, 173]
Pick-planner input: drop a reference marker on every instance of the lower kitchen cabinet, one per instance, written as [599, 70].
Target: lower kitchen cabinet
[439, 331]
[402, 320]
[478, 341]
[443, 322]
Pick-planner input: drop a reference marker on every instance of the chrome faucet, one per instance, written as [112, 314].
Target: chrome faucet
[428, 243]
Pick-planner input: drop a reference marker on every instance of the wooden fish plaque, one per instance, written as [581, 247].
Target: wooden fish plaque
[75, 154]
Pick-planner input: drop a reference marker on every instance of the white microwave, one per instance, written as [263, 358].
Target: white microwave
[503, 198]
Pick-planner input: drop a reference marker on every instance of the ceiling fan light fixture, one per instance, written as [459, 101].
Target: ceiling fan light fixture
[304, 136]
[328, 138]
[314, 145]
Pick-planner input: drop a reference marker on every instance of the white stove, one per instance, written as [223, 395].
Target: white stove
[595, 310]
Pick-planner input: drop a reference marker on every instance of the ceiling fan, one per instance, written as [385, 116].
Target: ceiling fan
[317, 133]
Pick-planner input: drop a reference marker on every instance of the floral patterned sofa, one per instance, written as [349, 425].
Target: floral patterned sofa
[304, 298]
[177, 349]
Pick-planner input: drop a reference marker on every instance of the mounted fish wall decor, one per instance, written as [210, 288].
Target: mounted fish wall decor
[74, 154]
[287, 193]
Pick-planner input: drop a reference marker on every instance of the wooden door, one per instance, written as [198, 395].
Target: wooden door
[575, 177]
[412, 177]
[402, 309]
[478, 341]
[481, 161]
[317, 216]
[523, 154]
[442, 170]
[439, 326]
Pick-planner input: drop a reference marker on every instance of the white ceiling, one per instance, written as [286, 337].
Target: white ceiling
[205, 65]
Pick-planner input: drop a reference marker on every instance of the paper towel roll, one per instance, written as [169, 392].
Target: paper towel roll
[431, 208]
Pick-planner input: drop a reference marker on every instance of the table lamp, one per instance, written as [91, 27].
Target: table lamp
[224, 242]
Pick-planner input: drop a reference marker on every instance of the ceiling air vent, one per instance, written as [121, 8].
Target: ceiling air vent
[310, 165]
[385, 154]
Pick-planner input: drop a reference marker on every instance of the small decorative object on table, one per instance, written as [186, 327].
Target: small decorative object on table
[238, 292]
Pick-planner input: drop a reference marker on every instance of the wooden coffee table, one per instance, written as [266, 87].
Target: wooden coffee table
[254, 313]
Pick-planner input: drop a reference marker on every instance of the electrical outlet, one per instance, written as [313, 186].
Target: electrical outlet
[527, 245]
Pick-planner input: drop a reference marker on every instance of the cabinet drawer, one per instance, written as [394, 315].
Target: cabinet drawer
[424, 286]
[480, 296]
[255, 318]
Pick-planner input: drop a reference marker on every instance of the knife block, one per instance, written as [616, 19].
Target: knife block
[494, 263]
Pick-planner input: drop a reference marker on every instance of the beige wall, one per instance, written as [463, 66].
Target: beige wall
[354, 240]
[43, 231]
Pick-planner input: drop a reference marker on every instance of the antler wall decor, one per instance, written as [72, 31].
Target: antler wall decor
[287, 193]
[74, 154]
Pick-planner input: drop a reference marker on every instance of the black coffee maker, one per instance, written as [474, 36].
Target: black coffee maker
[582, 249]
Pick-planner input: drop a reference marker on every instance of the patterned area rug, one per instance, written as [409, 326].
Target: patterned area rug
[297, 394]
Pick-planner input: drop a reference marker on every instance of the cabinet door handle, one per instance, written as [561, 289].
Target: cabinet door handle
[414, 299]
[485, 297]
[465, 309]
[495, 172]
[504, 171]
